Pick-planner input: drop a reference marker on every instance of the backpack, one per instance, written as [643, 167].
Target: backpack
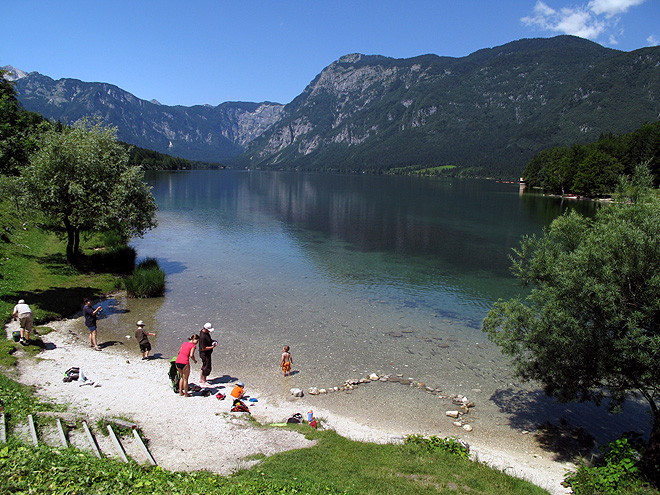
[174, 375]
[71, 374]
[296, 418]
[239, 406]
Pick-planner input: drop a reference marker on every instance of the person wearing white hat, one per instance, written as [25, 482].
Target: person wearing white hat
[142, 337]
[206, 346]
[24, 314]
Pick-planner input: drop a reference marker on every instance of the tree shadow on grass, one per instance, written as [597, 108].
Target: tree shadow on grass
[120, 261]
[570, 430]
[54, 302]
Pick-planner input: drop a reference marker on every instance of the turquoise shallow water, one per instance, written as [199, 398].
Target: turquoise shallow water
[358, 274]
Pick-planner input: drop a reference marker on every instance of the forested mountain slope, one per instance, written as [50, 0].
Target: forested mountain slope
[487, 113]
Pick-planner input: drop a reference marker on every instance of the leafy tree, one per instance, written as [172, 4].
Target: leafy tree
[17, 129]
[80, 179]
[590, 328]
[597, 174]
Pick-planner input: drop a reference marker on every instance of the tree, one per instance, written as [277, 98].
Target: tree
[18, 128]
[589, 329]
[80, 179]
[597, 174]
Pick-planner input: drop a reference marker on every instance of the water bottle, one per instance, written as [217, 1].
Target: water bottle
[310, 416]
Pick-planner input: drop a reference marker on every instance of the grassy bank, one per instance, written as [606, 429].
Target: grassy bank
[34, 268]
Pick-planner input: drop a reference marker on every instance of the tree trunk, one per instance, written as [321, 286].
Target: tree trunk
[651, 458]
[76, 243]
[70, 242]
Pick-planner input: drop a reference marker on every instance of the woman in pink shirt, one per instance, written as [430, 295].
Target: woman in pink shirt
[186, 353]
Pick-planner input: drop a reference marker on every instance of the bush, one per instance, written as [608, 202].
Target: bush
[450, 445]
[148, 280]
[618, 471]
[118, 260]
[112, 239]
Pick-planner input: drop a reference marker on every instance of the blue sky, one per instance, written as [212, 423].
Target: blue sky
[211, 51]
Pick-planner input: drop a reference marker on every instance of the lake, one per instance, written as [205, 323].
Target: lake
[358, 274]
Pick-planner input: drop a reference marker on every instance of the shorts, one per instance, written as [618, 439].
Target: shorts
[145, 347]
[206, 363]
[26, 322]
[180, 366]
[92, 329]
[286, 367]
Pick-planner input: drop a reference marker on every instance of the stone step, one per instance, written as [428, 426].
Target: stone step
[120, 440]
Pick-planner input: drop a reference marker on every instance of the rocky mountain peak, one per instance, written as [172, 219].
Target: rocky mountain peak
[13, 74]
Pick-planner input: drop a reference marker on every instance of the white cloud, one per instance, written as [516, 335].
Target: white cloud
[653, 40]
[577, 21]
[596, 18]
[611, 8]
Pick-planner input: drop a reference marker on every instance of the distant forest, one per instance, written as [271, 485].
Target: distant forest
[594, 169]
[152, 160]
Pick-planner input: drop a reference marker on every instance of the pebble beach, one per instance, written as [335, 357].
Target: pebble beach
[123, 385]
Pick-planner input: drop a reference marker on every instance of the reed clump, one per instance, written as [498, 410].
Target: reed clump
[147, 280]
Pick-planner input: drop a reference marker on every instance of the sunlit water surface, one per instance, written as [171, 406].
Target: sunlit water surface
[358, 274]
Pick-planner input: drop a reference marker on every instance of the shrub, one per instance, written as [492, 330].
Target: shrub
[450, 445]
[112, 239]
[118, 260]
[147, 280]
[618, 469]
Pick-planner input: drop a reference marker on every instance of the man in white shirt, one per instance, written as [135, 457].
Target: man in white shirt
[24, 314]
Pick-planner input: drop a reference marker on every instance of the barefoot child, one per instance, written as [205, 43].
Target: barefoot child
[142, 337]
[287, 360]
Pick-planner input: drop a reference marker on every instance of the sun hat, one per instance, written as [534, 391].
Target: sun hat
[21, 301]
[209, 327]
[240, 384]
[140, 323]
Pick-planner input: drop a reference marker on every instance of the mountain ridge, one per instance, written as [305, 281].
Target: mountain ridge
[488, 112]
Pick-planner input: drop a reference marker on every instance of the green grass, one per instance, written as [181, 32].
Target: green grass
[34, 268]
[338, 465]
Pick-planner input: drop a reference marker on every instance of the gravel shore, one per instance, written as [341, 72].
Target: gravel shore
[128, 387]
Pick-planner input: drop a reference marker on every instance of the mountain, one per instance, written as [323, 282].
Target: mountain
[202, 132]
[492, 110]
[487, 113]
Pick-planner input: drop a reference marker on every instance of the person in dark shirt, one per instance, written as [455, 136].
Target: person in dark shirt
[206, 346]
[90, 322]
[142, 337]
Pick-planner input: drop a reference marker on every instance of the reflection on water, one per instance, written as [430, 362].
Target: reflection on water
[356, 273]
[432, 245]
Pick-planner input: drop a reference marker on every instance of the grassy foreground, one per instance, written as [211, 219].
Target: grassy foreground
[34, 268]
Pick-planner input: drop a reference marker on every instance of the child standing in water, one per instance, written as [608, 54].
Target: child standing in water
[142, 337]
[287, 360]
